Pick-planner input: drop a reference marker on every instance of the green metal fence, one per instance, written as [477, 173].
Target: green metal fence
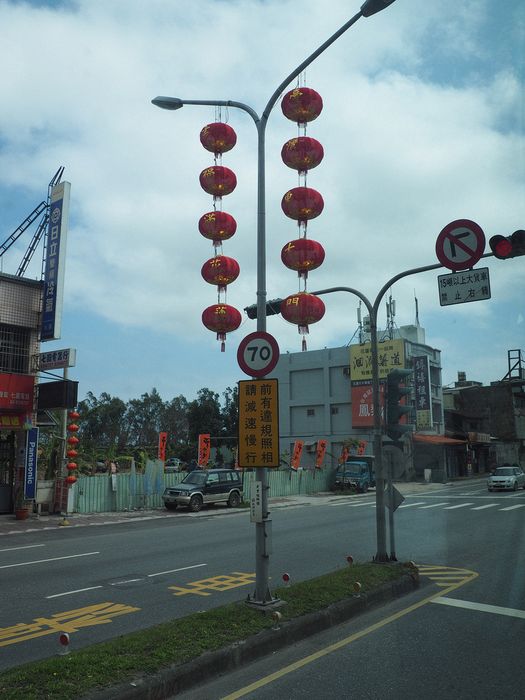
[103, 493]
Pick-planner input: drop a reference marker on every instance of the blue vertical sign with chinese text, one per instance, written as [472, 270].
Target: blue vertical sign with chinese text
[55, 262]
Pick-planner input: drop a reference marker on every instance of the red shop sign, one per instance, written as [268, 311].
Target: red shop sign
[16, 392]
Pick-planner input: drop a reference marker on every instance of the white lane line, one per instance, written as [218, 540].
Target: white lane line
[489, 505]
[172, 571]
[80, 590]
[482, 607]
[520, 505]
[434, 505]
[43, 561]
[129, 580]
[356, 505]
[410, 505]
[460, 505]
[28, 546]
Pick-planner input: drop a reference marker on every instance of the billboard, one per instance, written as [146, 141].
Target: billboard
[390, 355]
[363, 405]
[55, 262]
[16, 392]
[422, 393]
[61, 394]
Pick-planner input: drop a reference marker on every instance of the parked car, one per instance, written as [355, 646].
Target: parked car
[205, 486]
[173, 464]
[506, 478]
[356, 475]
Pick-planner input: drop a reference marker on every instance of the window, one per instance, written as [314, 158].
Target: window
[14, 349]
[334, 410]
[310, 411]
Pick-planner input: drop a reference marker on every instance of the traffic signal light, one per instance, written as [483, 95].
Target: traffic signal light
[509, 246]
[272, 307]
[394, 409]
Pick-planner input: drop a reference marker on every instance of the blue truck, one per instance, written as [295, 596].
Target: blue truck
[356, 474]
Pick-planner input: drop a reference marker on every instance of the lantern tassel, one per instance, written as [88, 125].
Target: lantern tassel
[303, 330]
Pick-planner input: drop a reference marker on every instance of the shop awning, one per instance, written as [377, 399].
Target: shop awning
[437, 439]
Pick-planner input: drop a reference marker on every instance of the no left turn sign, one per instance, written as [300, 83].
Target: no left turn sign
[460, 244]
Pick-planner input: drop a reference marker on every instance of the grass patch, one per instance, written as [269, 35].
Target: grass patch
[178, 641]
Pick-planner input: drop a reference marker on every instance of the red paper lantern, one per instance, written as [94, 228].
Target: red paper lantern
[73, 427]
[71, 466]
[71, 479]
[303, 255]
[302, 309]
[217, 226]
[221, 271]
[302, 105]
[222, 319]
[72, 453]
[74, 415]
[73, 440]
[218, 180]
[302, 203]
[218, 137]
[302, 153]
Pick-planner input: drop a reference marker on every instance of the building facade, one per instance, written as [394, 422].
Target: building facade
[327, 395]
[20, 304]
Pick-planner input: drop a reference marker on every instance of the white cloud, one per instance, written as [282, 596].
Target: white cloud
[410, 142]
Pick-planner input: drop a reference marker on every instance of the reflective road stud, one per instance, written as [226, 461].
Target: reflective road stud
[63, 640]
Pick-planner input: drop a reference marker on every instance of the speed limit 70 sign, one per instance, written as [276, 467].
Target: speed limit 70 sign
[258, 354]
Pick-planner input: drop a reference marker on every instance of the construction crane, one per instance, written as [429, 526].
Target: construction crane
[42, 210]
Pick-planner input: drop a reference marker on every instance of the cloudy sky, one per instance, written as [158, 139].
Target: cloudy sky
[423, 123]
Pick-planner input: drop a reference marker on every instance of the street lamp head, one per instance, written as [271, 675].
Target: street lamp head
[168, 102]
[370, 7]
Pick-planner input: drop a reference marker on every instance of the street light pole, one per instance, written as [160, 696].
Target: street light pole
[262, 596]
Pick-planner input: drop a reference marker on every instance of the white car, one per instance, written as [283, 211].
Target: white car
[173, 465]
[509, 477]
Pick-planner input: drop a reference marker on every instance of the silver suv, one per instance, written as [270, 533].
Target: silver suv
[205, 486]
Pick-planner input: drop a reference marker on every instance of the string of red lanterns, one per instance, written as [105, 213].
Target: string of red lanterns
[302, 105]
[72, 451]
[219, 226]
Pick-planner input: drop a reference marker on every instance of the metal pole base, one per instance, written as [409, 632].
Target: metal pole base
[268, 603]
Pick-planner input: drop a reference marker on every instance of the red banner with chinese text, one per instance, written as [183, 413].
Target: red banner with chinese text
[344, 455]
[297, 452]
[163, 439]
[320, 453]
[204, 450]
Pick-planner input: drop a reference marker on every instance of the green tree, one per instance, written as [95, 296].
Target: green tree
[144, 420]
[204, 415]
[174, 421]
[102, 424]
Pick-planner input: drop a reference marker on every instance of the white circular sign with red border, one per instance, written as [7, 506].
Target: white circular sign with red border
[258, 354]
[460, 245]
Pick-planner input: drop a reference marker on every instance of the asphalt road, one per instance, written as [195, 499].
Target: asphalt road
[98, 583]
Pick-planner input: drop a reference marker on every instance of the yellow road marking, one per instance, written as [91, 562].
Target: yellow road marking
[468, 576]
[70, 621]
[207, 586]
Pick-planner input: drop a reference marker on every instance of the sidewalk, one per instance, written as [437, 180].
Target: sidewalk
[10, 526]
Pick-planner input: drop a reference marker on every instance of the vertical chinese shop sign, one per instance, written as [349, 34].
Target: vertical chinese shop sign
[258, 423]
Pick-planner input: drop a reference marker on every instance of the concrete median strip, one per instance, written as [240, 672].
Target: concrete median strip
[172, 681]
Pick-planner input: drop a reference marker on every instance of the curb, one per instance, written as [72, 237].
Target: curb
[176, 679]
